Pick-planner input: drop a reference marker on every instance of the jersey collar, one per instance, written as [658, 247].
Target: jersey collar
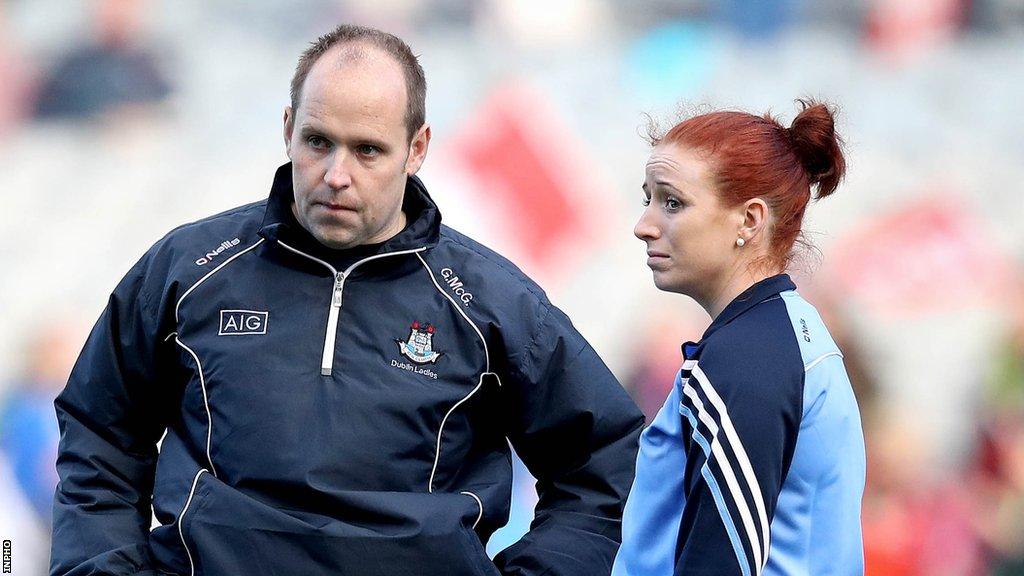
[763, 290]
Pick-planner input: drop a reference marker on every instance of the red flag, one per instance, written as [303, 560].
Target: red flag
[904, 27]
[523, 161]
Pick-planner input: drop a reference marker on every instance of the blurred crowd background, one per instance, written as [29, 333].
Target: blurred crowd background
[120, 119]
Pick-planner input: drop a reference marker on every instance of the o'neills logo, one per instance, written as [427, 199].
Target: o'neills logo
[456, 286]
[216, 251]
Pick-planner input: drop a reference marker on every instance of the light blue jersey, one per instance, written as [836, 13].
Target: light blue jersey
[755, 464]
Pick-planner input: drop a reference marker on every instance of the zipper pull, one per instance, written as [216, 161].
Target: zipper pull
[339, 282]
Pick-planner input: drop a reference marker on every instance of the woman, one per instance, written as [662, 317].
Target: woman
[755, 464]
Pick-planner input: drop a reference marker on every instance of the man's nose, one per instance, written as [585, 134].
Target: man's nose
[338, 176]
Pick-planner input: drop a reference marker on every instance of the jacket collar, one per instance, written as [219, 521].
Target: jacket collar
[422, 229]
[763, 290]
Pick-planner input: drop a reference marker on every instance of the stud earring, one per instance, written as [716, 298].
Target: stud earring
[740, 242]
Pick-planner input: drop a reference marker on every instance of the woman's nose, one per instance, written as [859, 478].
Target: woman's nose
[644, 230]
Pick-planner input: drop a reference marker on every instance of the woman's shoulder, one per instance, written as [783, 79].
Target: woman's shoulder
[783, 329]
[767, 347]
[778, 351]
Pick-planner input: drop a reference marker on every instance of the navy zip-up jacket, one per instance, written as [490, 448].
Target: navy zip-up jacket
[334, 412]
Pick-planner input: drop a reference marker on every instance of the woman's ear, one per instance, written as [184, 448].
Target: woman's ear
[755, 220]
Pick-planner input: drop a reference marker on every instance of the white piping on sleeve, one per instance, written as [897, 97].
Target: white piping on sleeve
[744, 461]
[206, 403]
[814, 362]
[181, 516]
[730, 477]
[440, 431]
[211, 273]
[199, 365]
[487, 355]
[478, 503]
[487, 370]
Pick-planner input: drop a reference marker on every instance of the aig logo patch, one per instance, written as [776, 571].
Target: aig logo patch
[241, 322]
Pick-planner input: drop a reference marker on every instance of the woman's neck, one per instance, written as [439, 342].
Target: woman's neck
[740, 279]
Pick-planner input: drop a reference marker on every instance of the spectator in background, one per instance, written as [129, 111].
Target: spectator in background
[28, 435]
[999, 467]
[15, 89]
[111, 75]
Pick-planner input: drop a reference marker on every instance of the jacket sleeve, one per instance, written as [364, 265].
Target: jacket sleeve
[740, 421]
[576, 430]
[111, 415]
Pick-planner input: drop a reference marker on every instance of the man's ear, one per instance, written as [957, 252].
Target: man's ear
[289, 125]
[418, 150]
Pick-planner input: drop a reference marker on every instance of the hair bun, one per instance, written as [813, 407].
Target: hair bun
[818, 147]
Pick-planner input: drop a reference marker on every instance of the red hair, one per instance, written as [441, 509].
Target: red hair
[756, 157]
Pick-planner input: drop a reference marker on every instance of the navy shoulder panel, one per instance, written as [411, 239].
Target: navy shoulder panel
[758, 352]
[188, 252]
[245, 219]
[513, 313]
[498, 273]
[202, 242]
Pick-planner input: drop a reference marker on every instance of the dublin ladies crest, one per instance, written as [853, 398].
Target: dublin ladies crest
[419, 346]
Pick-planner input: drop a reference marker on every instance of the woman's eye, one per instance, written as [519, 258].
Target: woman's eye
[673, 204]
[645, 201]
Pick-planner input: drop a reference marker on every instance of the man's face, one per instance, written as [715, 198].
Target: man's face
[349, 147]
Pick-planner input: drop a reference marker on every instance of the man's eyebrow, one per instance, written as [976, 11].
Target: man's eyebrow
[306, 128]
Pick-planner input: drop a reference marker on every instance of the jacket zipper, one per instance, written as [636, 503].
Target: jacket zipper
[327, 360]
[337, 291]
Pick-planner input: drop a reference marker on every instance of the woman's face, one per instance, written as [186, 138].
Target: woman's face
[690, 236]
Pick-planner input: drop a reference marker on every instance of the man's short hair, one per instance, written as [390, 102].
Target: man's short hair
[415, 80]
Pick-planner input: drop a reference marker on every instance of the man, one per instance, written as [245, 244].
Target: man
[337, 374]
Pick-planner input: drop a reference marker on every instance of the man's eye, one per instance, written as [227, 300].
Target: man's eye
[317, 142]
[367, 150]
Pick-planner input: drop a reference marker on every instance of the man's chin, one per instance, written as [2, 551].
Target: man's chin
[337, 241]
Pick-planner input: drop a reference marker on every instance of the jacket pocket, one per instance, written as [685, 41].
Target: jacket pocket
[367, 533]
[475, 546]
